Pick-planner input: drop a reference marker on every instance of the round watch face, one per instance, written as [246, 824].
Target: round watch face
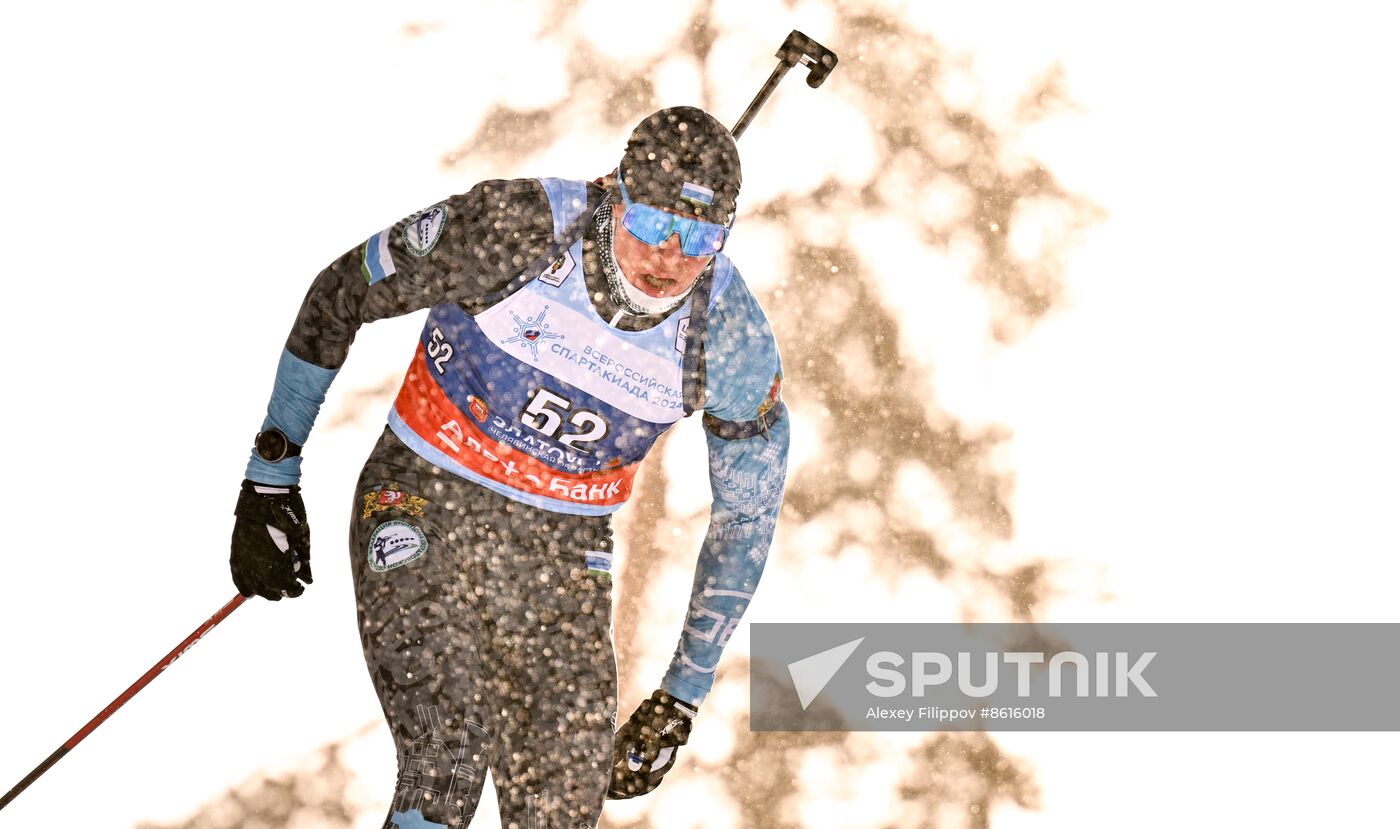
[271, 445]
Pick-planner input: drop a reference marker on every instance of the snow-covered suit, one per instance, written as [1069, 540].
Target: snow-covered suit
[480, 540]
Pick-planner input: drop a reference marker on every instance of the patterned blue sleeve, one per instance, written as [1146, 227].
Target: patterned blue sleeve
[746, 434]
[297, 395]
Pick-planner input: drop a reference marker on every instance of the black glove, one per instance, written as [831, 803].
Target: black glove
[271, 542]
[644, 749]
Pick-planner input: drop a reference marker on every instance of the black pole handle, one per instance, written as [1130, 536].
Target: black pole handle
[798, 48]
[819, 60]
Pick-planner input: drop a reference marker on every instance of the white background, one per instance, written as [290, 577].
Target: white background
[1209, 424]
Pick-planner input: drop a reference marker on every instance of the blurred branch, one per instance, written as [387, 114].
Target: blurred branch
[313, 795]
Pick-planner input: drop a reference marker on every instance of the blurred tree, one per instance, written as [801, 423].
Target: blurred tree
[314, 796]
[956, 184]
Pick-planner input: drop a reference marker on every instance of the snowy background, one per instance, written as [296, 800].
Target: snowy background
[1157, 390]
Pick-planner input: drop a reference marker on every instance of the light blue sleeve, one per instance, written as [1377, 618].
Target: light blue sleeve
[742, 364]
[747, 476]
[297, 395]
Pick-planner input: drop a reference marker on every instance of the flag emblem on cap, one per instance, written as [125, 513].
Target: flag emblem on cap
[697, 194]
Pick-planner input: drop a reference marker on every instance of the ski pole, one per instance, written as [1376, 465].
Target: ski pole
[122, 699]
[798, 48]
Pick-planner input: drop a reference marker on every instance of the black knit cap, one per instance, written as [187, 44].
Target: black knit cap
[683, 158]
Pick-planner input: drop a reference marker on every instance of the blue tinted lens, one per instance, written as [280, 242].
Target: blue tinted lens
[703, 238]
[652, 225]
[649, 224]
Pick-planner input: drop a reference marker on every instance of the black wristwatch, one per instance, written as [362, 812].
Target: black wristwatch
[273, 446]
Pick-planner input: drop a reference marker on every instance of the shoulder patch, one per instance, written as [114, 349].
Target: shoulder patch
[376, 263]
[775, 393]
[423, 229]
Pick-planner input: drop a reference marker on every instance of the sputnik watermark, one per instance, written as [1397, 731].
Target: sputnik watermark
[943, 715]
[888, 681]
[1073, 677]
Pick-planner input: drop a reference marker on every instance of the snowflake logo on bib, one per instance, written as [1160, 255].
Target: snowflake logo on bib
[531, 332]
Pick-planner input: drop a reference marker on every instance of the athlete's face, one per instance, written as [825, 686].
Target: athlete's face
[655, 270]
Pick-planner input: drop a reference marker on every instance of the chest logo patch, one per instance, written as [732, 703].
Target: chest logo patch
[478, 408]
[682, 331]
[559, 270]
[529, 333]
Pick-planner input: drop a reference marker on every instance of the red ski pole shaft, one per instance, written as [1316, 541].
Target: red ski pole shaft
[122, 699]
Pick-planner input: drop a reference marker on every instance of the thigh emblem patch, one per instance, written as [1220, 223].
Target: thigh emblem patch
[388, 498]
[395, 543]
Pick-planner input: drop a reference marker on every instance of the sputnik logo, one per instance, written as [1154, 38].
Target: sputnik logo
[529, 332]
[810, 675]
